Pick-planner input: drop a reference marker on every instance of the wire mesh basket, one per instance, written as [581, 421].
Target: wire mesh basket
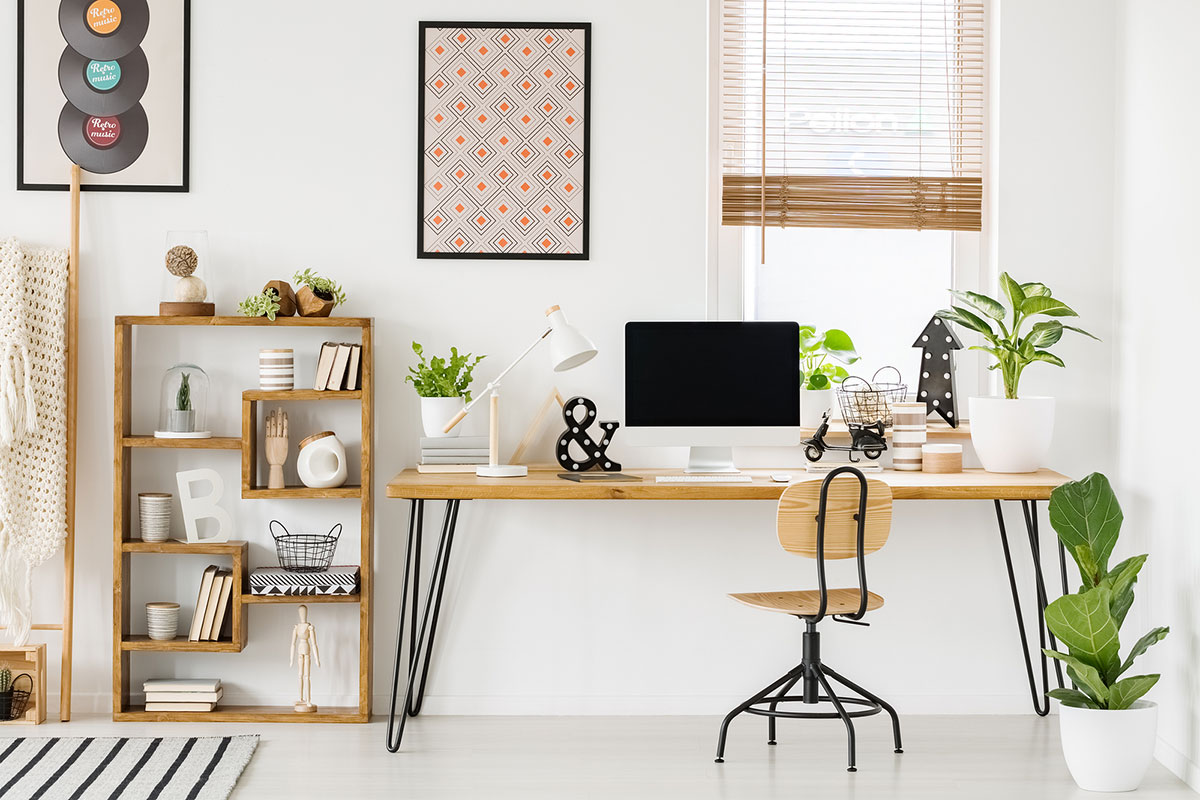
[18, 701]
[305, 552]
[866, 402]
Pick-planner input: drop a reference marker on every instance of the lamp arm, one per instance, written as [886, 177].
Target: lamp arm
[494, 383]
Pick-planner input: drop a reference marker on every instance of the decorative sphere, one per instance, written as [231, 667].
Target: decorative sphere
[181, 260]
[190, 289]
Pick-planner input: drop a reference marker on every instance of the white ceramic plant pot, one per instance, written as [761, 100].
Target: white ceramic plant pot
[437, 411]
[1109, 751]
[813, 404]
[1012, 435]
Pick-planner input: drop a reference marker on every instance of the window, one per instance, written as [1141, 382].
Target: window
[851, 163]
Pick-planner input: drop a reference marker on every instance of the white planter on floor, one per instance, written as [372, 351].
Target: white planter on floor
[437, 411]
[1109, 751]
[1012, 435]
[814, 403]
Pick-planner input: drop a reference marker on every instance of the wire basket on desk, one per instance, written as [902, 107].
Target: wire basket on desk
[866, 402]
[305, 552]
[18, 699]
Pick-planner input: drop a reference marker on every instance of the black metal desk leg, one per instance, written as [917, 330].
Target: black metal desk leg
[421, 648]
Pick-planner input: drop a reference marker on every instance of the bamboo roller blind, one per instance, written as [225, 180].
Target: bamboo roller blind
[852, 113]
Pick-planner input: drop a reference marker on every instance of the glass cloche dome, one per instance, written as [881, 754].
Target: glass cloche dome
[183, 404]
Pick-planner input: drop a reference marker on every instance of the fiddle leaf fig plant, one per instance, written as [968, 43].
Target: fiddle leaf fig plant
[816, 371]
[1002, 326]
[1087, 518]
[442, 377]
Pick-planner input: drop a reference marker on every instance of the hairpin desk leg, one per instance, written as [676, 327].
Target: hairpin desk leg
[420, 645]
[1041, 702]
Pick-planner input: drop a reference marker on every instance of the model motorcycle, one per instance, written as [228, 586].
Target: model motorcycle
[866, 439]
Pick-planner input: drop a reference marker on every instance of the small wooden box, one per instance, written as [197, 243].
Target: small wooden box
[30, 660]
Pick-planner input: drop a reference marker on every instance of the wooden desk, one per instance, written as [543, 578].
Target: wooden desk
[544, 484]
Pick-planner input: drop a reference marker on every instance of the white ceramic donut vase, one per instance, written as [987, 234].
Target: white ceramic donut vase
[322, 461]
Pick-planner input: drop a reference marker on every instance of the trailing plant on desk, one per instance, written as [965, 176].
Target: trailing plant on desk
[183, 397]
[1087, 518]
[323, 288]
[265, 304]
[441, 377]
[1012, 351]
[816, 372]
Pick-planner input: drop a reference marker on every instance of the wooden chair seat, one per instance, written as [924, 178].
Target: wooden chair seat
[807, 602]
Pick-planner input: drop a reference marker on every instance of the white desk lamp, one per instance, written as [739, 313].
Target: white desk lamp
[568, 349]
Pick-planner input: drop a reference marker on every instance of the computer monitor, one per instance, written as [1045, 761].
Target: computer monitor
[711, 386]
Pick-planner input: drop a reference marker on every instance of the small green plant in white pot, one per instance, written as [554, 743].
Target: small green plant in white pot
[821, 359]
[444, 385]
[1108, 731]
[1013, 433]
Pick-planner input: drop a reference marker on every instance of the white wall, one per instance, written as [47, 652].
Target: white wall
[557, 607]
[1157, 280]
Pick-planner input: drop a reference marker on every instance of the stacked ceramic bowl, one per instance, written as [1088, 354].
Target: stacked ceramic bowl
[162, 620]
[154, 516]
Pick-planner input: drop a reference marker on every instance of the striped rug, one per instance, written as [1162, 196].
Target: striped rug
[131, 769]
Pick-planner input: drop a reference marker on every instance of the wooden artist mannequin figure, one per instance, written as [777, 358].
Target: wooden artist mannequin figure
[303, 650]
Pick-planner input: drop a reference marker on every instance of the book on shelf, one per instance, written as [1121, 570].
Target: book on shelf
[445, 468]
[324, 365]
[278, 582]
[471, 452]
[354, 369]
[197, 707]
[185, 697]
[454, 443]
[181, 685]
[337, 373]
[454, 459]
[222, 605]
[206, 582]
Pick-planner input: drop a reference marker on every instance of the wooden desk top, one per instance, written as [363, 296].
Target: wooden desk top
[544, 484]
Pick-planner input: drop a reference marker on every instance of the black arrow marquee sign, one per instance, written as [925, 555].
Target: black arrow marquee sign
[936, 387]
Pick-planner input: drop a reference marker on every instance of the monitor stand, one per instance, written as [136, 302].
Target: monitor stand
[711, 459]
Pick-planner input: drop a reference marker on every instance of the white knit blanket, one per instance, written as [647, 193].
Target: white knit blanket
[33, 422]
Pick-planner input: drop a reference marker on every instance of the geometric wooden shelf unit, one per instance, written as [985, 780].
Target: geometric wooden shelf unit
[125, 545]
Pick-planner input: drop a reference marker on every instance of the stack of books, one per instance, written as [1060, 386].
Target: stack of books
[212, 604]
[453, 453]
[187, 694]
[339, 367]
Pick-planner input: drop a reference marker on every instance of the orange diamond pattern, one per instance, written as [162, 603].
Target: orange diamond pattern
[526, 97]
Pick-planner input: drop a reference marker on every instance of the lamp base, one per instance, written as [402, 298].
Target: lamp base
[502, 471]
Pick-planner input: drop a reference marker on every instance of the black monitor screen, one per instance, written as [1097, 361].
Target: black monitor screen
[712, 374]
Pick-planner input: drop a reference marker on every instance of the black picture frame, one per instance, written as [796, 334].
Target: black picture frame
[183, 186]
[584, 253]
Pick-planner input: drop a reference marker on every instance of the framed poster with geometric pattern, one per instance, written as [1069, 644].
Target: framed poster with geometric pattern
[103, 84]
[503, 140]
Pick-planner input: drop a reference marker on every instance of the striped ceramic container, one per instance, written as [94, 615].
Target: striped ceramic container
[908, 435]
[276, 369]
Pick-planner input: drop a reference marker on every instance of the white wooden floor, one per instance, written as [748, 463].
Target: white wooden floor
[977, 757]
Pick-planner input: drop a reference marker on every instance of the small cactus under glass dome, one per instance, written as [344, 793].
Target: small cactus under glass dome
[183, 404]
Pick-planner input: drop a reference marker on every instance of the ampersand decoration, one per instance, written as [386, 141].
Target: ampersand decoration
[594, 446]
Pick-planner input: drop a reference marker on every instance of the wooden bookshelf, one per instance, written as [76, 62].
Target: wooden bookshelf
[125, 546]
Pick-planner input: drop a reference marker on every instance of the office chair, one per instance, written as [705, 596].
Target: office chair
[847, 518]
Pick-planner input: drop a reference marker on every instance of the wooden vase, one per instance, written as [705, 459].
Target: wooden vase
[287, 297]
[312, 306]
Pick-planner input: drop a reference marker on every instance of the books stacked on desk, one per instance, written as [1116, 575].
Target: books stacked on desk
[212, 604]
[453, 453]
[187, 694]
[339, 367]
[279, 582]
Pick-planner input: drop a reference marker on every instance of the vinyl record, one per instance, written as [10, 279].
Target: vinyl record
[103, 88]
[104, 29]
[103, 145]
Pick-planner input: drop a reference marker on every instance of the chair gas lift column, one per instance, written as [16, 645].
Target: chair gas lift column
[846, 518]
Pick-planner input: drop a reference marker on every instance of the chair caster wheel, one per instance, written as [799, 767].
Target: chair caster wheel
[898, 750]
[851, 769]
[772, 741]
[718, 761]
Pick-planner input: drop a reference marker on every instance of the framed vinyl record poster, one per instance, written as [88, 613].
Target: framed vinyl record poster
[503, 143]
[103, 84]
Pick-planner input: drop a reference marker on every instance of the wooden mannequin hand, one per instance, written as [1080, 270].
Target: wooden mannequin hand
[276, 447]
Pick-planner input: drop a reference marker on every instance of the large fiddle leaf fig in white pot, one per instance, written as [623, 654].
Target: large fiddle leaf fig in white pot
[1108, 731]
[1012, 433]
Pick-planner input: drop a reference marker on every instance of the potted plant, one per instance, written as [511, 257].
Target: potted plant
[317, 296]
[265, 304]
[1108, 731]
[444, 387]
[817, 374]
[1012, 433]
[6, 694]
[182, 418]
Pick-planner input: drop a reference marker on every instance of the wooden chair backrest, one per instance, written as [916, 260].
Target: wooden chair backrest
[797, 517]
